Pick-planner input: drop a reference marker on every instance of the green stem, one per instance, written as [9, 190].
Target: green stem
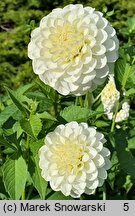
[55, 104]
[104, 192]
[27, 142]
[114, 117]
[23, 195]
[81, 101]
[29, 193]
[76, 100]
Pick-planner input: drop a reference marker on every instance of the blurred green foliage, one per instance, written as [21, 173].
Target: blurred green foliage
[19, 17]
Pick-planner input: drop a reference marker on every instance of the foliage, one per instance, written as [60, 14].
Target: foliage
[28, 113]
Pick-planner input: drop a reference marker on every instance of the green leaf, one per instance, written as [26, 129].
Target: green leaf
[17, 128]
[126, 75]
[17, 102]
[131, 139]
[47, 90]
[114, 170]
[6, 113]
[58, 196]
[35, 146]
[36, 124]
[101, 123]
[119, 71]
[46, 115]
[126, 159]
[131, 80]
[76, 113]
[39, 183]
[128, 184]
[5, 143]
[25, 88]
[25, 125]
[130, 92]
[15, 176]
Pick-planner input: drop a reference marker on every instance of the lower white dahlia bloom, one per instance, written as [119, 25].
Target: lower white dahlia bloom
[74, 49]
[74, 160]
[110, 96]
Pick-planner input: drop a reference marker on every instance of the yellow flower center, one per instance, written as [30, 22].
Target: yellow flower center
[68, 157]
[67, 43]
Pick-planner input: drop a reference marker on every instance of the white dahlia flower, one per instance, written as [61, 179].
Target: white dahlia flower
[73, 49]
[110, 96]
[123, 113]
[74, 160]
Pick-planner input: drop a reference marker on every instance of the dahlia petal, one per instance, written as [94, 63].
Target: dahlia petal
[92, 184]
[89, 191]
[102, 173]
[101, 182]
[99, 160]
[101, 36]
[110, 45]
[66, 188]
[92, 176]
[101, 61]
[99, 49]
[105, 152]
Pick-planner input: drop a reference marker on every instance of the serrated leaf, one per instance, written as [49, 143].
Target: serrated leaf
[17, 128]
[76, 113]
[15, 176]
[36, 124]
[47, 90]
[119, 71]
[46, 115]
[5, 143]
[17, 102]
[126, 159]
[35, 146]
[25, 125]
[6, 113]
[39, 183]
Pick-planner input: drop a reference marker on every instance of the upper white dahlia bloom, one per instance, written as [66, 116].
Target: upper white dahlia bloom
[74, 49]
[110, 96]
[74, 160]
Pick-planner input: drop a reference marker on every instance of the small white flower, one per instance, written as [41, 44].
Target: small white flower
[74, 49]
[110, 96]
[74, 160]
[123, 113]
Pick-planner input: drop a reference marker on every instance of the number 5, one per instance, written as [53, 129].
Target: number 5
[126, 207]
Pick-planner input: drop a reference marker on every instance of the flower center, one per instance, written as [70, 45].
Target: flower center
[68, 157]
[67, 42]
